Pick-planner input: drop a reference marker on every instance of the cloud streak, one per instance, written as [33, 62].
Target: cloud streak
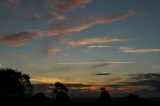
[96, 66]
[98, 46]
[12, 4]
[54, 51]
[110, 18]
[68, 5]
[62, 30]
[18, 39]
[103, 74]
[95, 41]
[0, 65]
[98, 62]
[34, 17]
[138, 51]
[114, 17]
[87, 22]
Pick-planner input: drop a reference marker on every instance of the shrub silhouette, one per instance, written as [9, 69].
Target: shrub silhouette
[105, 96]
[61, 93]
[14, 84]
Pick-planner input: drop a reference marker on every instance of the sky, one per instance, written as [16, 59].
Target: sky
[87, 44]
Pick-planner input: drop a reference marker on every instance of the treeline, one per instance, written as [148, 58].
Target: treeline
[16, 89]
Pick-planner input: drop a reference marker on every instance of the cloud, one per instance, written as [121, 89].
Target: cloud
[65, 68]
[1, 65]
[57, 16]
[95, 41]
[103, 74]
[85, 22]
[78, 87]
[67, 5]
[18, 39]
[54, 51]
[146, 84]
[98, 46]
[148, 79]
[95, 66]
[129, 89]
[138, 51]
[34, 17]
[46, 80]
[12, 4]
[147, 76]
[98, 62]
[113, 18]
[108, 19]
[62, 30]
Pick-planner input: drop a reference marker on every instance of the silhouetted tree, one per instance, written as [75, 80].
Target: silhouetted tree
[61, 93]
[105, 96]
[13, 83]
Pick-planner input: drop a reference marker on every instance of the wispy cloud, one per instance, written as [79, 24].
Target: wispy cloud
[98, 62]
[57, 16]
[99, 46]
[65, 68]
[95, 41]
[145, 79]
[113, 18]
[103, 74]
[67, 5]
[138, 51]
[62, 30]
[0, 65]
[96, 66]
[87, 22]
[99, 19]
[54, 51]
[34, 17]
[46, 80]
[18, 39]
[12, 4]
[141, 82]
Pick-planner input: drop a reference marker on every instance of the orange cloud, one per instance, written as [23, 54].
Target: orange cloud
[107, 19]
[138, 51]
[16, 39]
[53, 80]
[95, 41]
[66, 6]
[1, 65]
[130, 89]
[93, 87]
[46, 80]
[64, 30]
[66, 26]
[54, 51]
[113, 18]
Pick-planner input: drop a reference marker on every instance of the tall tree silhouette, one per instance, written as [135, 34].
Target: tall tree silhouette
[14, 83]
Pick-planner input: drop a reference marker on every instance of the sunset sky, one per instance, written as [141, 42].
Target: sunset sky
[85, 43]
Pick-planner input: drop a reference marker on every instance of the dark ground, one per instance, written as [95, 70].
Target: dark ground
[76, 102]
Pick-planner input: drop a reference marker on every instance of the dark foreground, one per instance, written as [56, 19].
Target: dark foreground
[44, 101]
